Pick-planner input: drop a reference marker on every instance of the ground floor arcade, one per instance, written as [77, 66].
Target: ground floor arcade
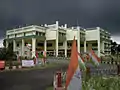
[52, 47]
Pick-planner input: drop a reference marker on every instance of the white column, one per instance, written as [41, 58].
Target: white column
[33, 47]
[23, 44]
[6, 44]
[14, 45]
[103, 47]
[98, 41]
[65, 45]
[56, 44]
[78, 39]
[57, 34]
[85, 46]
[45, 45]
[98, 48]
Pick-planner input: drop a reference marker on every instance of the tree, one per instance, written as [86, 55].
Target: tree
[113, 48]
[119, 48]
[4, 42]
[3, 53]
[7, 53]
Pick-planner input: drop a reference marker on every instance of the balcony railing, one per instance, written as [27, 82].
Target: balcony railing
[23, 29]
[29, 37]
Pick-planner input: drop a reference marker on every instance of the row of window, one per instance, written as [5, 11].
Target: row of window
[49, 44]
[59, 44]
[37, 33]
[40, 33]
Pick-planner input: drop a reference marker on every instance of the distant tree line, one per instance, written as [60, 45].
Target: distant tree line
[115, 48]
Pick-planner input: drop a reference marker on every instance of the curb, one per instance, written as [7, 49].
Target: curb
[7, 68]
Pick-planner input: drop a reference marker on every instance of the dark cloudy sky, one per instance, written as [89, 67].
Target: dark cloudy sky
[89, 13]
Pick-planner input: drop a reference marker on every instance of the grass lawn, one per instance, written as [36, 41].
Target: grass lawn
[99, 83]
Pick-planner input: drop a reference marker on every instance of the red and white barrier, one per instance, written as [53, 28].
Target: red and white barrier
[2, 64]
[57, 83]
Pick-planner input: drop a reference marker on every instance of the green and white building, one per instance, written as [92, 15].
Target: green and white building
[56, 40]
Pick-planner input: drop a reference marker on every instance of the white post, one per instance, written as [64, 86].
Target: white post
[57, 34]
[98, 41]
[45, 45]
[14, 45]
[7, 44]
[23, 44]
[85, 46]
[103, 46]
[98, 48]
[33, 47]
[78, 39]
[65, 45]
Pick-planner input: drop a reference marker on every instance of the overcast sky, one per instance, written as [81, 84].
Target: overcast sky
[88, 13]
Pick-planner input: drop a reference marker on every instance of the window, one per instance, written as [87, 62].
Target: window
[8, 36]
[86, 45]
[24, 34]
[94, 48]
[17, 44]
[94, 44]
[82, 45]
[49, 44]
[37, 33]
[69, 44]
[60, 44]
[26, 44]
[40, 44]
[43, 34]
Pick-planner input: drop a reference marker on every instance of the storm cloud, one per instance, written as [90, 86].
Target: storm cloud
[86, 13]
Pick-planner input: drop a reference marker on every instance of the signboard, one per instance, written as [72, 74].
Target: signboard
[27, 63]
[2, 64]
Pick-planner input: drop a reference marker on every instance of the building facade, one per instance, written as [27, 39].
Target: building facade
[99, 40]
[56, 40]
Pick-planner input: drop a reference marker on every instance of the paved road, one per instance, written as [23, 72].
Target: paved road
[28, 80]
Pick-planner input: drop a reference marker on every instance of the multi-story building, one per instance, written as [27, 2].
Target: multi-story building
[55, 40]
[99, 40]
[80, 38]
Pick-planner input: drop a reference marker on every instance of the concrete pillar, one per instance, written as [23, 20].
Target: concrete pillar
[98, 48]
[56, 46]
[85, 46]
[14, 45]
[6, 44]
[103, 47]
[23, 44]
[45, 45]
[33, 47]
[78, 39]
[57, 36]
[65, 45]
[98, 41]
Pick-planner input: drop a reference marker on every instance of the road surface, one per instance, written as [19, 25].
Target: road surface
[28, 80]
